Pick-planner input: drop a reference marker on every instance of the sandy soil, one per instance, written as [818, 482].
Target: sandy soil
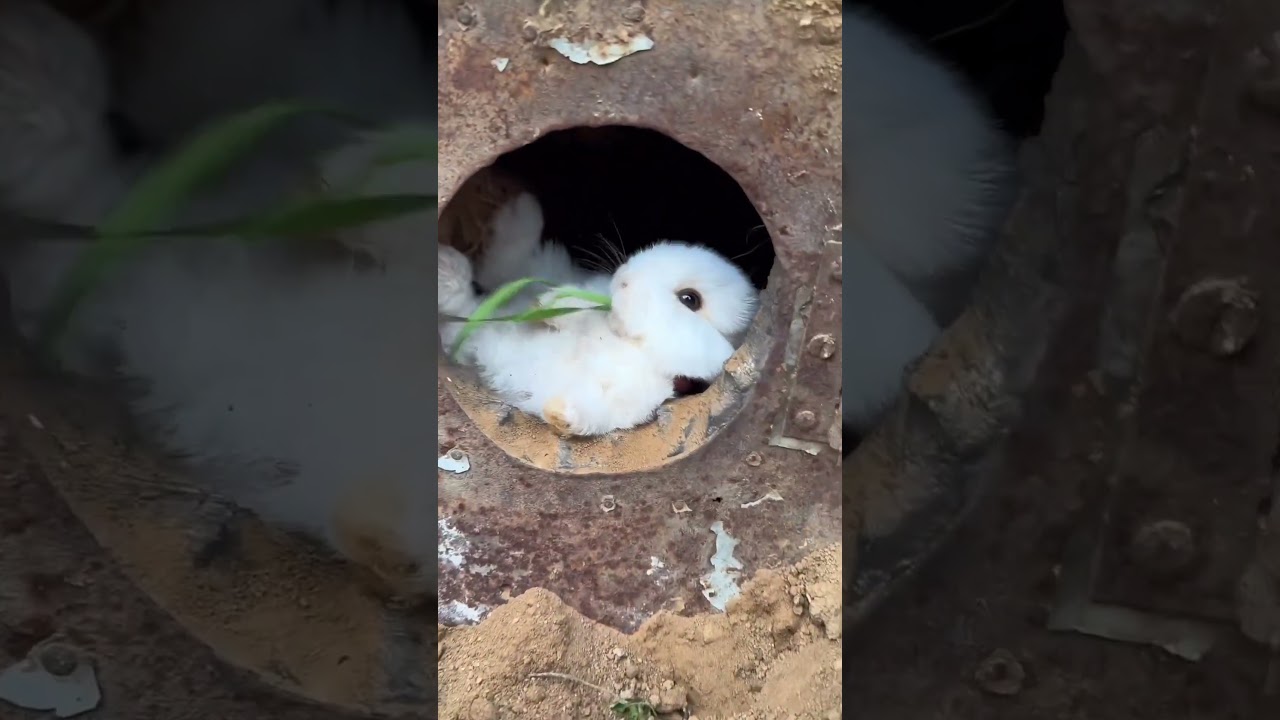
[776, 653]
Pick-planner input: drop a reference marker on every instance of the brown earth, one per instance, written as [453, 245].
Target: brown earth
[776, 653]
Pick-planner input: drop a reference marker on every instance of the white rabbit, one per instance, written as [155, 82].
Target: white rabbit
[303, 389]
[928, 181]
[676, 312]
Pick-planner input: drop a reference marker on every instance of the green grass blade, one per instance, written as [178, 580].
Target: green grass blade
[318, 216]
[528, 316]
[203, 161]
[491, 305]
[602, 301]
[159, 196]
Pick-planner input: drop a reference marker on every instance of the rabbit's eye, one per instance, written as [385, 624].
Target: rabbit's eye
[690, 299]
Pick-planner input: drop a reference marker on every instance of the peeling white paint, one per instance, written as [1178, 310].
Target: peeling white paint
[655, 565]
[501, 63]
[29, 685]
[771, 495]
[600, 52]
[452, 545]
[721, 584]
[454, 461]
[458, 613]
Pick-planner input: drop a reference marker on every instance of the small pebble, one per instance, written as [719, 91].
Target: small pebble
[482, 709]
[672, 699]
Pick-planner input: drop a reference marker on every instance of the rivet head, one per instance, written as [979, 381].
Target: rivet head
[58, 660]
[1219, 315]
[1001, 674]
[822, 346]
[753, 459]
[1163, 548]
[633, 13]
[466, 16]
[837, 269]
[456, 454]
[529, 32]
[805, 419]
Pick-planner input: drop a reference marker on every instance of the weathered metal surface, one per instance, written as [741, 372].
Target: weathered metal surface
[1164, 159]
[1203, 436]
[56, 581]
[755, 88]
[275, 605]
[813, 397]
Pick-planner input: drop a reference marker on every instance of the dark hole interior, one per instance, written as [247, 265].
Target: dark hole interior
[631, 187]
[1009, 50]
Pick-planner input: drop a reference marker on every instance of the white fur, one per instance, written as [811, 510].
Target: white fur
[592, 372]
[301, 389]
[927, 182]
[53, 142]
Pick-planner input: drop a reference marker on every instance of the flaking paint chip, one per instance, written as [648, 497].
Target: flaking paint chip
[600, 52]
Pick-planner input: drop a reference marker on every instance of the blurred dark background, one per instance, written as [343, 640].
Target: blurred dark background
[1009, 49]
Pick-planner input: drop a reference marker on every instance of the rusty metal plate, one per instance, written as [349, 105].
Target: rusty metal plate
[755, 88]
[103, 545]
[58, 582]
[812, 412]
[1203, 436]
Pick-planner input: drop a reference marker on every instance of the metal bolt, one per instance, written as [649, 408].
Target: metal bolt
[805, 420]
[753, 459]
[529, 32]
[456, 454]
[1163, 548]
[58, 660]
[633, 13]
[1219, 315]
[466, 16]
[1001, 673]
[837, 269]
[822, 346]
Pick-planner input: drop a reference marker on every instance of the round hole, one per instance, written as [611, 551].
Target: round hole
[607, 192]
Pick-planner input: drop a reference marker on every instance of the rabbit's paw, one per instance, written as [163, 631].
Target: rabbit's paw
[563, 417]
[369, 528]
[453, 270]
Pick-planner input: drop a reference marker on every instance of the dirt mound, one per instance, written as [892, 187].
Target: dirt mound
[774, 654]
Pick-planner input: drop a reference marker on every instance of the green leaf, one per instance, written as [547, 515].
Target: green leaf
[159, 196]
[491, 305]
[504, 295]
[603, 301]
[633, 710]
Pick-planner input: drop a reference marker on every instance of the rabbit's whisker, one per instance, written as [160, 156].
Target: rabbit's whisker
[751, 249]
